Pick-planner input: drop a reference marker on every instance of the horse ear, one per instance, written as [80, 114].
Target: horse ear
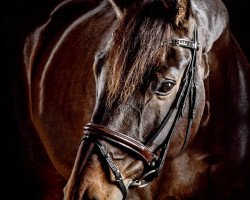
[180, 9]
[120, 5]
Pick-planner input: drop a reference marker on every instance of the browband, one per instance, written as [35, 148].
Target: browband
[182, 43]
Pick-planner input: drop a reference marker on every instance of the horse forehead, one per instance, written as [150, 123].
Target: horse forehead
[176, 56]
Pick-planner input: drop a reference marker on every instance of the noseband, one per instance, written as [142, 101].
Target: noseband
[154, 160]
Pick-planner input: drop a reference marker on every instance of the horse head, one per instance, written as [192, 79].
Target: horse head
[151, 96]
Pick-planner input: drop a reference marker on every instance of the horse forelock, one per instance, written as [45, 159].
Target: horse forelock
[136, 49]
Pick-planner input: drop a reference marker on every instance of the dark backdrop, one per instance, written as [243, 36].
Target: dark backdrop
[18, 16]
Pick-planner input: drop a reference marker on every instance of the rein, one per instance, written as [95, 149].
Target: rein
[154, 163]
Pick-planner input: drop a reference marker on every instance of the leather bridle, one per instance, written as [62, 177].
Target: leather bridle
[154, 160]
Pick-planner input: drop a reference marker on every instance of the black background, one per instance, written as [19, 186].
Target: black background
[16, 19]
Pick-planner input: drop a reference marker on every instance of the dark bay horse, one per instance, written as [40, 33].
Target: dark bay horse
[144, 99]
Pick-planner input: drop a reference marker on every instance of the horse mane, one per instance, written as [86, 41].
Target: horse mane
[136, 51]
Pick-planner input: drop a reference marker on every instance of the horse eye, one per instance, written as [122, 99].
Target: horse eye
[164, 87]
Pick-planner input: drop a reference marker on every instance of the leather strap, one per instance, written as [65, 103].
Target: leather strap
[99, 131]
[114, 169]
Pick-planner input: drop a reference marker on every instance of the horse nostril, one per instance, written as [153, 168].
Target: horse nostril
[89, 196]
[94, 198]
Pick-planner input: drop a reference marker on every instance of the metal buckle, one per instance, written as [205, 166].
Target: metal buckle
[146, 179]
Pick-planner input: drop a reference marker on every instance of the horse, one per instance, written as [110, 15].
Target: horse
[137, 99]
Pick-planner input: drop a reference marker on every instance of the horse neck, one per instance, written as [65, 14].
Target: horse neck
[229, 99]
